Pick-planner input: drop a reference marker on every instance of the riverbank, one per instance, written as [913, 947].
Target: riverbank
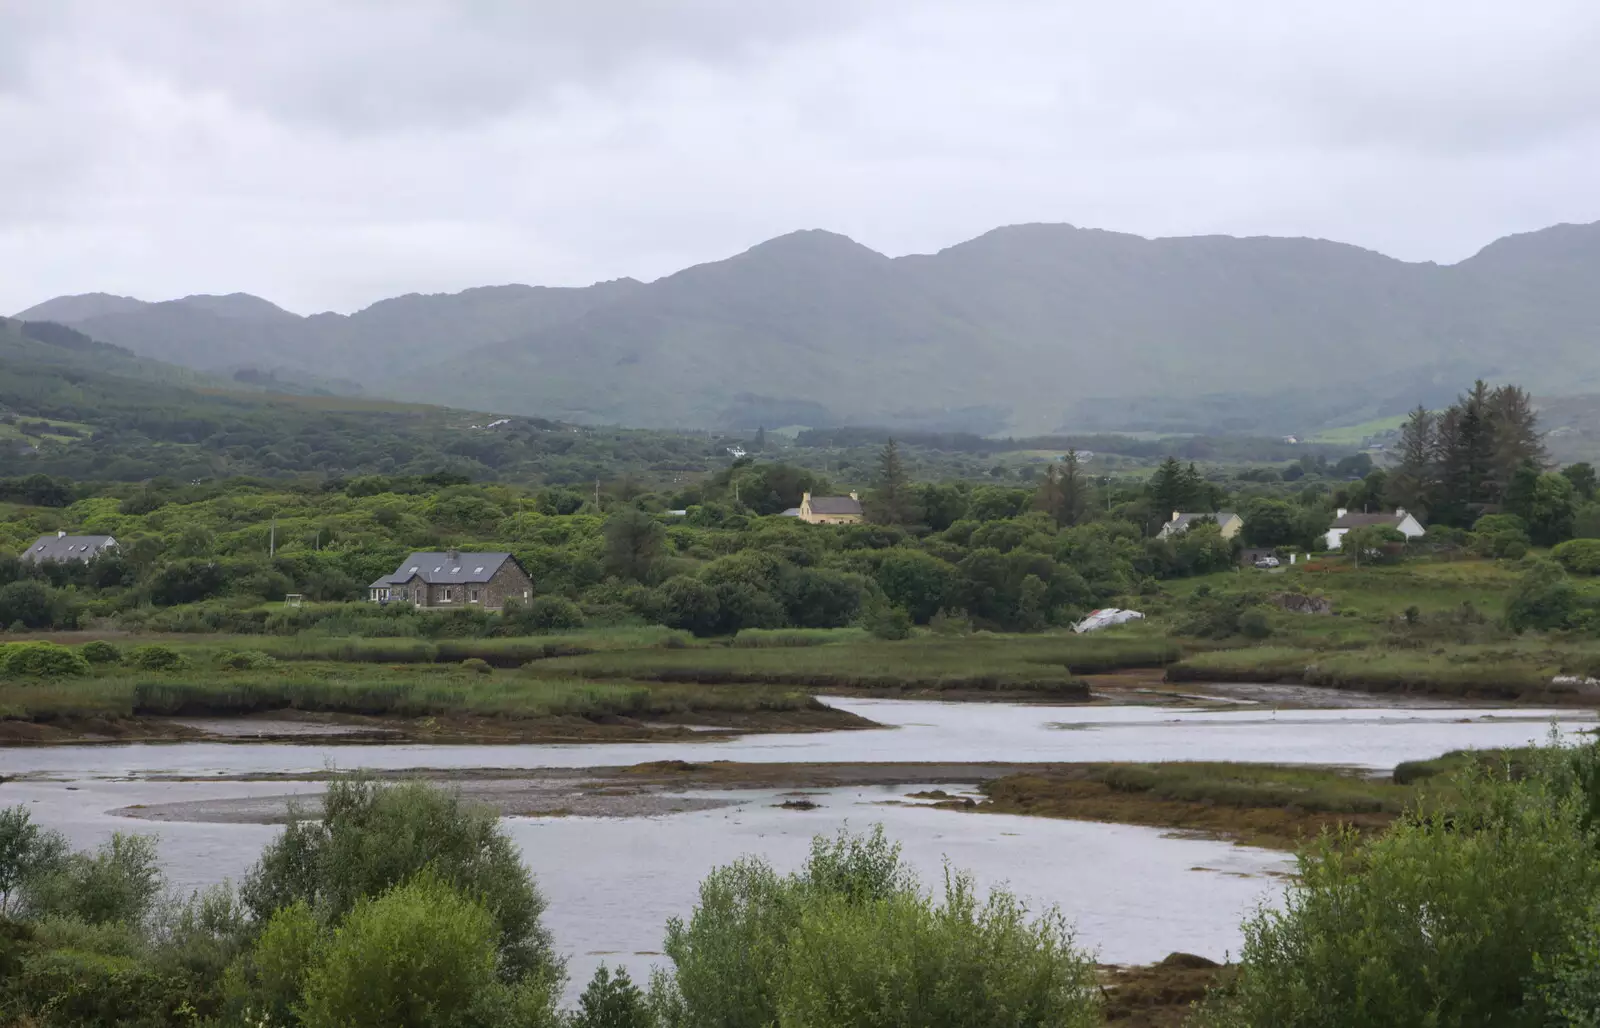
[1272, 806]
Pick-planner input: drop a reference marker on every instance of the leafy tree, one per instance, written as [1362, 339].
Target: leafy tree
[1551, 509]
[1543, 598]
[1582, 477]
[1271, 523]
[31, 604]
[634, 541]
[918, 582]
[116, 884]
[26, 851]
[1374, 544]
[1579, 556]
[372, 838]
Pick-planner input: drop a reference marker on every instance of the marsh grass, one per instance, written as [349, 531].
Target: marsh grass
[1258, 804]
[401, 692]
[1513, 670]
[1043, 663]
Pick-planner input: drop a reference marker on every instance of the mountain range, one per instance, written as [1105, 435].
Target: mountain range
[1028, 328]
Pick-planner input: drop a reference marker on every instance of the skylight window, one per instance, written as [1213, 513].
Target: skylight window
[455, 571]
[413, 570]
[438, 569]
[477, 571]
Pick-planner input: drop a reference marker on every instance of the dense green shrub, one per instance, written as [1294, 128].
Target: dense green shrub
[420, 956]
[372, 838]
[477, 665]
[41, 660]
[611, 1000]
[118, 883]
[100, 652]
[1438, 922]
[245, 660]
[1579, 556]
[154, 657]
[542, 614]
[1542, 599]
[850, 941]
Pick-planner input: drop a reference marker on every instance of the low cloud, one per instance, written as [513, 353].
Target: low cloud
[327, 155]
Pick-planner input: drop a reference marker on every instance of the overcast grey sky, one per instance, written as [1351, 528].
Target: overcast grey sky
[328, 153]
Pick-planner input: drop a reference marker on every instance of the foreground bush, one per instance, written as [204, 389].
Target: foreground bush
[100, 652]
[373, 838]
[851, 942]
[41, 660]
[1579, 556]
[152, 657]
[1445, 920]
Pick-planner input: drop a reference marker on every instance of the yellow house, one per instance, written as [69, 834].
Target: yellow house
[827, 510]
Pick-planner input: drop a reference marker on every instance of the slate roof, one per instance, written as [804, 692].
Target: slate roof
[67, 547]
[835, 505]
[1182, 522]
[1360, 520]
[442, 568]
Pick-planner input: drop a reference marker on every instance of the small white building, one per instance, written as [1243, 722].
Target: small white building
[1402, 522]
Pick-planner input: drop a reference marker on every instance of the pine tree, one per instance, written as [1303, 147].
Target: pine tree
[1074, 490]
[1514, 428]
[761, 439]
[1064, 494]
[1167, 489]
[892, 503]
[1414, 483]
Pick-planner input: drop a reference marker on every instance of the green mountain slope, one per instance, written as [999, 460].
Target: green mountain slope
[1026, 328]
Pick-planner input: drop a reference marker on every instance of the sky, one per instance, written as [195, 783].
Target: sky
[325, 154]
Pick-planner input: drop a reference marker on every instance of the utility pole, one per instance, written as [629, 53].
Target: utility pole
[597, 496]
[272, 539]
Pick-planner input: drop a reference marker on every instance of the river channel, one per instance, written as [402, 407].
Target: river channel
[1133, 893]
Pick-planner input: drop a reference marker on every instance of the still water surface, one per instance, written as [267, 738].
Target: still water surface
[1133, 894]
[915, 731]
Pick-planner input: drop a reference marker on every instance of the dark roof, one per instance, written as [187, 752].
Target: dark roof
[67, 547]
[1183, 521]
[835, 505]
[1359, 520]
[443, 568]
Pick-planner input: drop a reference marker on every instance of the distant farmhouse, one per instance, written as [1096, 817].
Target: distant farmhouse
[827, 510]
[64, 547]
[1229, 522]
[1406, 524]
[454, 579]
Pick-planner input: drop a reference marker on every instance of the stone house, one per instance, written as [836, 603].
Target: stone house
[64, 547]
[454, 579]
[827, 510]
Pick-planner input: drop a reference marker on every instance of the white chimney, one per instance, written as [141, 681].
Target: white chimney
[1399, 512]
[61, 533]
[1176, 515]
[1342, 512]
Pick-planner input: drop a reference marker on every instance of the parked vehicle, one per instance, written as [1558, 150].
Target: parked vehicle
[1267, 563]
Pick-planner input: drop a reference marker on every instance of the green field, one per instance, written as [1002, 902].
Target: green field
[1355, 435]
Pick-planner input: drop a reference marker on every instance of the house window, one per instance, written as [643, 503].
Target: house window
[447, 596]
[474, 595]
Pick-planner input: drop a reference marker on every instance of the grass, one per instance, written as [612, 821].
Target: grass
[1355, 435]
[400, 692]
[1255, 804]
[1032, 663]
[1482, 672]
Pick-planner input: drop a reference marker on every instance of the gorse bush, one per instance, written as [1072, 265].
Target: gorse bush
[152, 657]
[100, 652]
[41, 660]
[245, 660]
